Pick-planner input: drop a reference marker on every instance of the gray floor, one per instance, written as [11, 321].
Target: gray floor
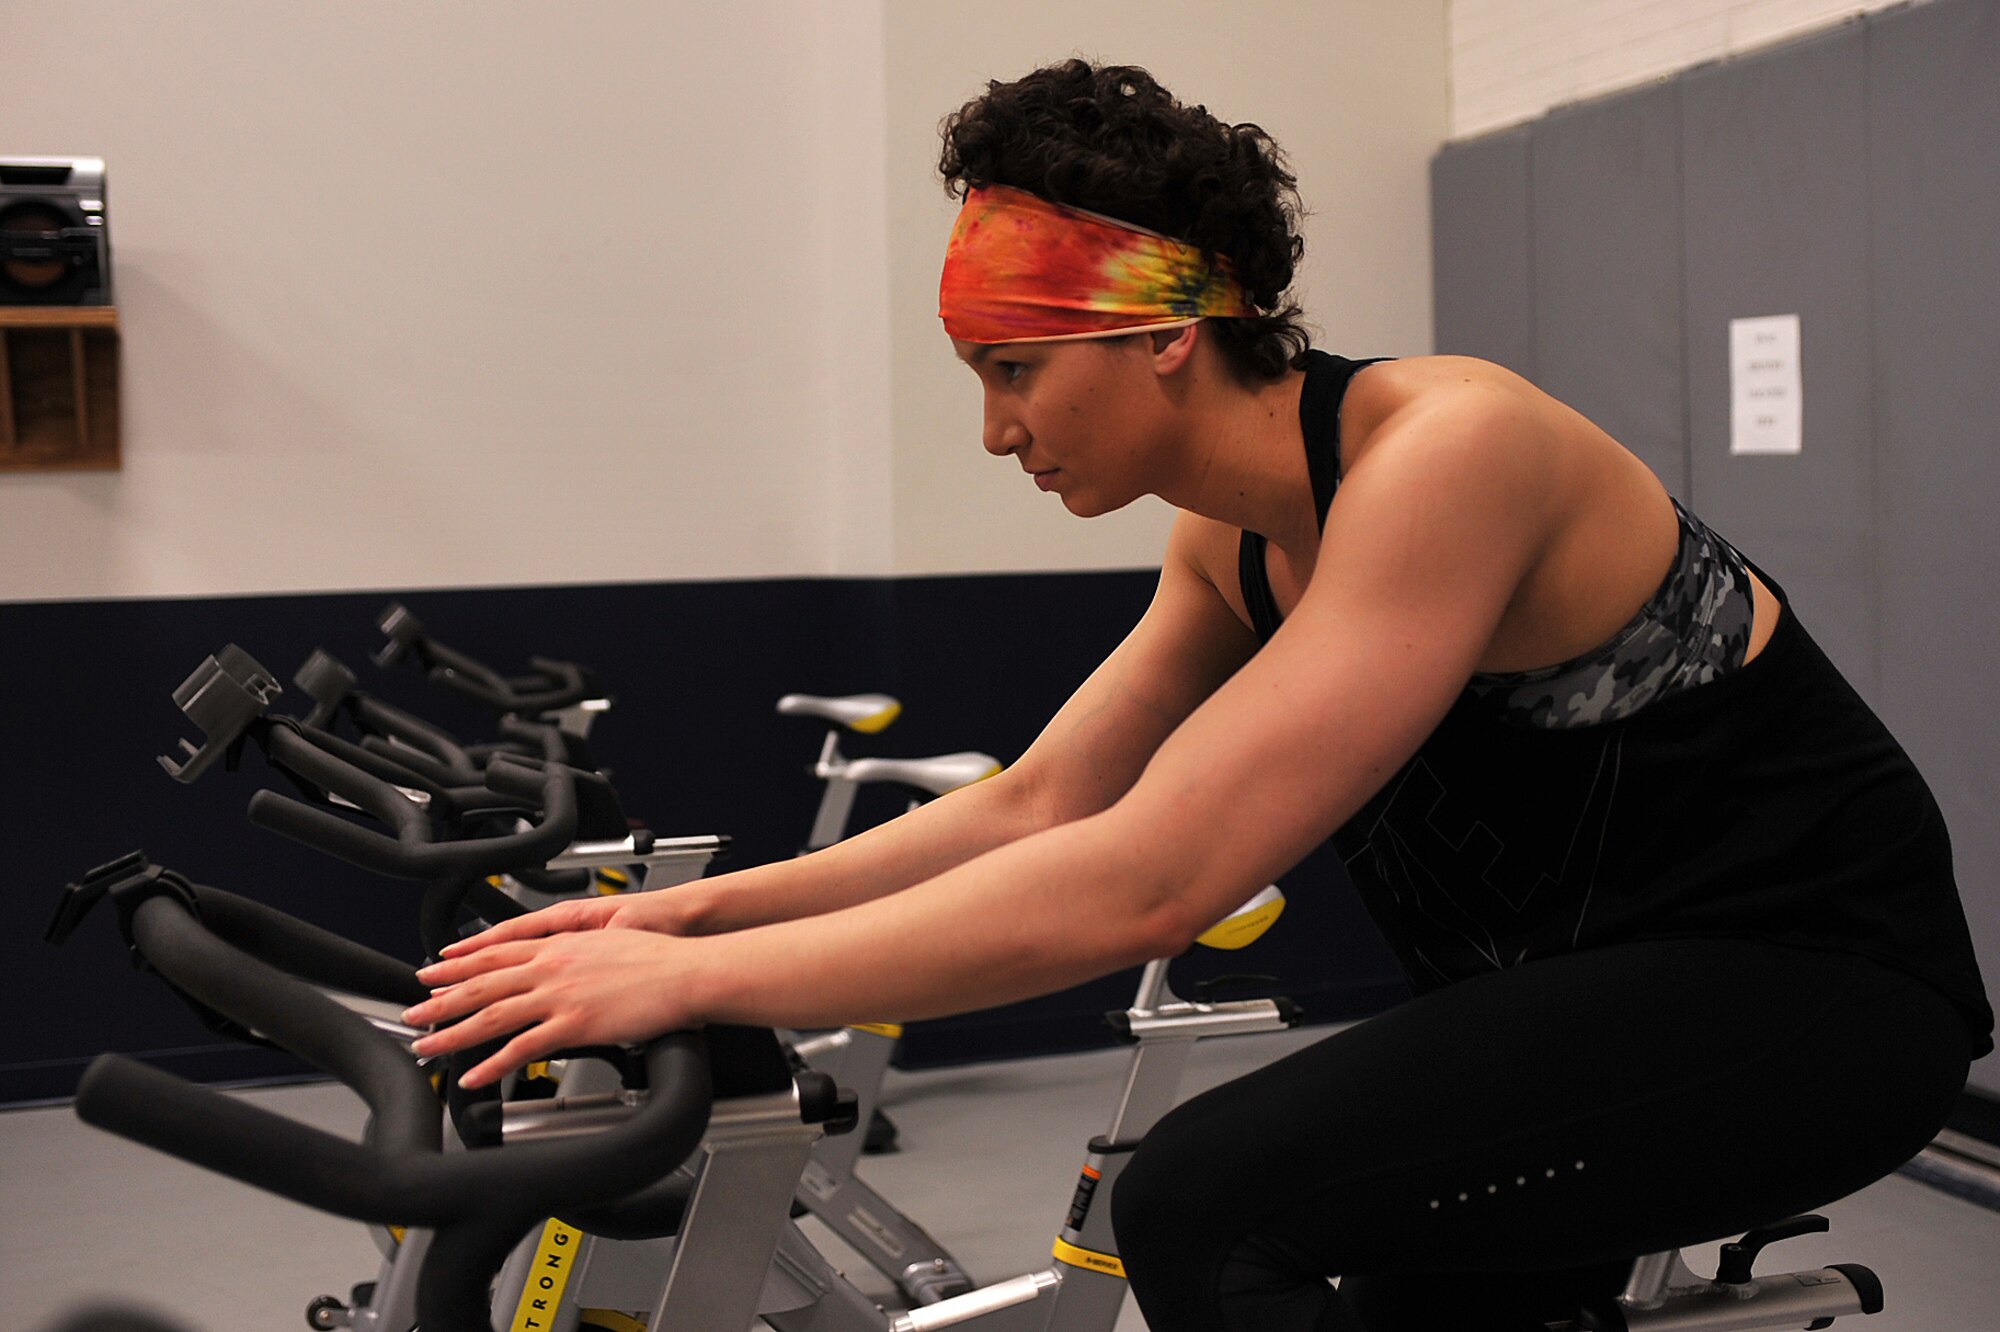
[990, 1158]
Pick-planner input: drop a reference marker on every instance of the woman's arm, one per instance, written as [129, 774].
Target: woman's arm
[1088, 756]
[1434, 529]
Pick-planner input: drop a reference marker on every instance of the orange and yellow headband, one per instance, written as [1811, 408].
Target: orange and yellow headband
[1021, 269]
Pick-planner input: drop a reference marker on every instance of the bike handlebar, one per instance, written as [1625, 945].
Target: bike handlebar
[479, 1201]
[553, 686]
[411, 853]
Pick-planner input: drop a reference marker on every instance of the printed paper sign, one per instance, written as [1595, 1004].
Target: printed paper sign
[1765, 411]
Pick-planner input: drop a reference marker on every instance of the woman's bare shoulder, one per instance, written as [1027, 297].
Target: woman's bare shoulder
[1208, 548]
[1385, 388]
[1462, 390]
[1411, 374]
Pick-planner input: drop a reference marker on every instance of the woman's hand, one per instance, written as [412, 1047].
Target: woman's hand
[568, 989]
[654, 911]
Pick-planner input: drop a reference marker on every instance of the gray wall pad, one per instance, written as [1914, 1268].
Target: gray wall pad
[1481, 244]
[1776, 223]
[1934, 152]
[1605, 202]
[1853, 179]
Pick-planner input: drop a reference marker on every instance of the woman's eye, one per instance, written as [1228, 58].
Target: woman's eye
[1011, 371]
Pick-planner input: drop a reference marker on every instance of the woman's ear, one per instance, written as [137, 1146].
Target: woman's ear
[1173, 348]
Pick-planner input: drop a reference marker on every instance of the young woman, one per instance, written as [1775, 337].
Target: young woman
[1678, 913]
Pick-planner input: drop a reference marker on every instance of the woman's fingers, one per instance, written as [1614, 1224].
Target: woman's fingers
[557, 919]
[489, 1023]
[455, 970]
[534, 1043]
[459, 986]
[541, 995]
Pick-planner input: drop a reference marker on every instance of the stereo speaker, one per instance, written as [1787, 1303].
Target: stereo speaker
[55, 248]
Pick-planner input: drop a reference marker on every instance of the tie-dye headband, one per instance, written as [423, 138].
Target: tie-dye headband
[1022, 269]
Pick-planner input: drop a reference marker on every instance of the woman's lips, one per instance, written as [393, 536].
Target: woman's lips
[1046, 480]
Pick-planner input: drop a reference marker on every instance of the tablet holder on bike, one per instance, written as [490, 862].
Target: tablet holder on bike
[228, 696]
[226, 693]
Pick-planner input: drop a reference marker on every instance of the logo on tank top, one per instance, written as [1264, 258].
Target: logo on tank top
[1463, 898]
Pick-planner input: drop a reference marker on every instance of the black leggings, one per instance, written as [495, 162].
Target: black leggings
[1487, 1154]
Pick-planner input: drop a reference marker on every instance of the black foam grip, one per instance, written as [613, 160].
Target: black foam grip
[415, 761]
[289, 1012]
[230, 1137]
[520, 778]
[391, 723]
[336, 836]
[535, 738]
[555, 684]
[427, 1188]
[442, 656]
[409, 856]
[294, 752]
[397, 765]
[306, 950]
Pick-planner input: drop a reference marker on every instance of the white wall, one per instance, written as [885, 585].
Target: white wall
[1353, 91]
[1511, 60]
[408, 287]
[468, 293]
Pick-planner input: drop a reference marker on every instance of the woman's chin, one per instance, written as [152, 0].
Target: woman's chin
[1089, 504]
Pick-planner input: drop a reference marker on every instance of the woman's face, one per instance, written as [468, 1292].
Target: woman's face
[1080, 417]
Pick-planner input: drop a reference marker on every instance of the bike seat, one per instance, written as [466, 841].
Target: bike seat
[866, 713]
[945, 772]
[1246, 924]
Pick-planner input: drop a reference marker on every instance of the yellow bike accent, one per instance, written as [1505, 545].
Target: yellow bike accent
[893, 1030]
[609, 1320]
[1247, 924]
[1089, 1259]
[554, 1257]
[877, 721]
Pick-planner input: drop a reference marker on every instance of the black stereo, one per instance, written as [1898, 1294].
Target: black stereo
[54, 246]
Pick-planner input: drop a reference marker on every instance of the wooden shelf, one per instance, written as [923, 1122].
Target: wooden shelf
[58, 388]
[58, 316]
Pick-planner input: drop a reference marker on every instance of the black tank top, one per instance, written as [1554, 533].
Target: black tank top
[1769, 803]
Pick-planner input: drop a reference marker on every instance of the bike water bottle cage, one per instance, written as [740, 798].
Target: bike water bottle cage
[864, 713]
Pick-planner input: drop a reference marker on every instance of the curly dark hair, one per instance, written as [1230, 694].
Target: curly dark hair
[1110, 139]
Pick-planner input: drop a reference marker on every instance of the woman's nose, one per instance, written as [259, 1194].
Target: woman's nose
[1003, 435]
